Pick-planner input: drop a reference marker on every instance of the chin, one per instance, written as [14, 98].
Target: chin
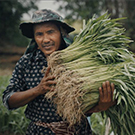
[48, 53]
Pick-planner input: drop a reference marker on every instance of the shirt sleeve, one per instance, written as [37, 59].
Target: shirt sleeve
[16, 84]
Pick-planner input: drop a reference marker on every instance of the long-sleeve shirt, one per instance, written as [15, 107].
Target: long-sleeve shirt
[26, 75]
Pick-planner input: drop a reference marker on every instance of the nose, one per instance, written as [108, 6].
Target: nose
[46, 39]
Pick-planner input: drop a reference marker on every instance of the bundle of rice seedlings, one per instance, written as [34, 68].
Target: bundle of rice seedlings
[99, 53]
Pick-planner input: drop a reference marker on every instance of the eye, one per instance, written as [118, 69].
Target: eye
[50, 31]
[38, 34]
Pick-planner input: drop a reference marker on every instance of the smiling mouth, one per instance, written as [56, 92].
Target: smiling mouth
[47, 46]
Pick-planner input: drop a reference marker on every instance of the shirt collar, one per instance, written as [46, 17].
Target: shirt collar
[39, 55]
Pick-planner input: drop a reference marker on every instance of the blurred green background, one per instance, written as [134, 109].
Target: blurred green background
[13, 44]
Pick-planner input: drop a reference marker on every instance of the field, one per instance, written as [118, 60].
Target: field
[9, 55]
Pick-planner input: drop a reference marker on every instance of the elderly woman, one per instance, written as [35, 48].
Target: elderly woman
[28, 84]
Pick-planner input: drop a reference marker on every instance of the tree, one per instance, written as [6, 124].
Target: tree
[11, 12]
[123, 8]
[77, 9]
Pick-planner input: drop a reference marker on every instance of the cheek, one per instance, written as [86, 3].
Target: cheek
[38, 41]
[58, 40]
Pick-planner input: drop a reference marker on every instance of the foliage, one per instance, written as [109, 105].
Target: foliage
[12, 121]
[75, 9]
[99, 124]
[11, 12]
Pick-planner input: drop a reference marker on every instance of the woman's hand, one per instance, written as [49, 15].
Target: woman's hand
[105, 98]
[46, 83]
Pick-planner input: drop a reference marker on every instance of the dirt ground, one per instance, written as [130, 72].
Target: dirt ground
[9, 55]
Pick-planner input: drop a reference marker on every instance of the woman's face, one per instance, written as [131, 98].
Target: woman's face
[47, 37]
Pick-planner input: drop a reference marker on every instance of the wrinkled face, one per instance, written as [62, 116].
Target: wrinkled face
[47, 37]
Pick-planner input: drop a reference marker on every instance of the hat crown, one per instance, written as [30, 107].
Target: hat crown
[46, 15]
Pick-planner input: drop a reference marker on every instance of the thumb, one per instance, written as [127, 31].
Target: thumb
[47, 71]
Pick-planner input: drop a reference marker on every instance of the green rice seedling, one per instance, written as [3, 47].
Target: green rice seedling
[99, 53]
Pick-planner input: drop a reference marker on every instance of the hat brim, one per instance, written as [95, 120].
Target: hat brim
[27, 27]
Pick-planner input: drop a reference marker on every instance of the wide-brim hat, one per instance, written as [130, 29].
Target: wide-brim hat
[41, 16]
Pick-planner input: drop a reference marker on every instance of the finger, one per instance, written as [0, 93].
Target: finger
[112, 87]
[47, 71]
[109, 91]
[100, 94]
[47, 88]
[50, 83]
[49, 78]
[105, 94]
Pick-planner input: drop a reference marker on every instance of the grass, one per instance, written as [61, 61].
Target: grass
[11, 122]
